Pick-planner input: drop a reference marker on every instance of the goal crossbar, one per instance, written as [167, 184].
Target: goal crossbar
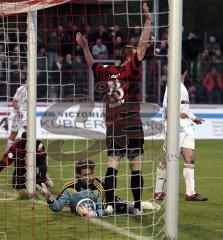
[16, 7]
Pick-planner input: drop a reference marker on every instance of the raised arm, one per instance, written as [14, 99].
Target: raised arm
[82, 41]
[144, 39]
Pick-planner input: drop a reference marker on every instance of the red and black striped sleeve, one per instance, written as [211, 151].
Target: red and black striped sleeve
[99, 71]
[40, 149]
[135, 64]
[7, 158]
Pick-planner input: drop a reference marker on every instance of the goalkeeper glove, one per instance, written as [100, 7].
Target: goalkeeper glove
[45, 193]
[86, 211]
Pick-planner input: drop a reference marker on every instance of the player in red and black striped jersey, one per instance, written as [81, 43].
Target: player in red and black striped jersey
[17, 154]
[123, 123]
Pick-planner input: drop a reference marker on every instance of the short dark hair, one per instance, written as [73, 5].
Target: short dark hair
[23, 136]
[184, 66]
[84, 164]
[125, 52]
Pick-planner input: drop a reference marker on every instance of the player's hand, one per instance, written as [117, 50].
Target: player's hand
[146, 11]
[198, 120]
[44, 191]
[81, 40]
[86, 211]
[183, 115]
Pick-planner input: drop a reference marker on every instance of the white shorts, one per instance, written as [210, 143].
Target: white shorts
[186, 138]
[15, 123]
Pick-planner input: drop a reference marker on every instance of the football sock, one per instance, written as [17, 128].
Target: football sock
[188, 173]
[136, 186]
[110, 185]
[160, 178]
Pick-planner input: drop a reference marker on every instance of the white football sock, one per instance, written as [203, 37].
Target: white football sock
[160, 178]
[188, 173]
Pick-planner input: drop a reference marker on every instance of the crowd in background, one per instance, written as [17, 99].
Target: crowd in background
[62, 70]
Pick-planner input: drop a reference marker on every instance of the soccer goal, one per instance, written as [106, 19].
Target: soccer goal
[66, 111]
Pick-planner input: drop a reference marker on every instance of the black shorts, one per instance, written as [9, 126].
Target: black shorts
[41, 169]
[125, 136]
[19, 174]
[133, 147]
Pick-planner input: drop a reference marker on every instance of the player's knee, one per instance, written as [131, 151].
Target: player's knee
[190, 159]
[134, 153]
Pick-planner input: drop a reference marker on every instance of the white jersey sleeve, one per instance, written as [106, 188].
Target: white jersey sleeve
[184, 106]
[21, 97]
[192, 116]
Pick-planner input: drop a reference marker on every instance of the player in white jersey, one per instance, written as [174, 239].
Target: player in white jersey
[18, 116]
[187, 145]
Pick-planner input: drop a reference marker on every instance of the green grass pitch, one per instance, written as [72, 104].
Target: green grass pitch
[27, 219]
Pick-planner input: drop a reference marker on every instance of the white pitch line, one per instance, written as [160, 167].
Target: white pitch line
[4, 235]
[107, 225]
[100, 222]
[11, 196]
[121, 231]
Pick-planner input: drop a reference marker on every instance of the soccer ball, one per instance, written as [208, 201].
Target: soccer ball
[85, 202]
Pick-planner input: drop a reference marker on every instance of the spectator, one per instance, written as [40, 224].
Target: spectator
[205, 62]
[212, 45]
[162, 52]
[41, 74]
[81, 83]
[192, 46]
[99, 47]
[103, 34]
[118, 44]
[71, 32]
[136, 33]
[116, 31]
[53, 48]
[62, 40]
[101, 56]
[90, 35]
[164, 35]
[67, 76]
[217, 60]
[133, 41]
[213, 83]
[70, 36]
[193, 95]
[56, 76]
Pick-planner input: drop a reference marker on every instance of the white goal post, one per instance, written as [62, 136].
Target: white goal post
[174, 76]
[30, 7]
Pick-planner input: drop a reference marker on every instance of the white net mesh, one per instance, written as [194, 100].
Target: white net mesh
[70, 114]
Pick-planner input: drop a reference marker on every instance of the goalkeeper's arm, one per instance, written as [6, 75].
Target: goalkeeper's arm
[55, 205]
[99, 210]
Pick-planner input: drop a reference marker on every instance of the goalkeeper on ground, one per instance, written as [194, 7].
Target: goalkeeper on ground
[86, 186]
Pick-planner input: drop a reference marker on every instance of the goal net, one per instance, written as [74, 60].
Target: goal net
[68, 114]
